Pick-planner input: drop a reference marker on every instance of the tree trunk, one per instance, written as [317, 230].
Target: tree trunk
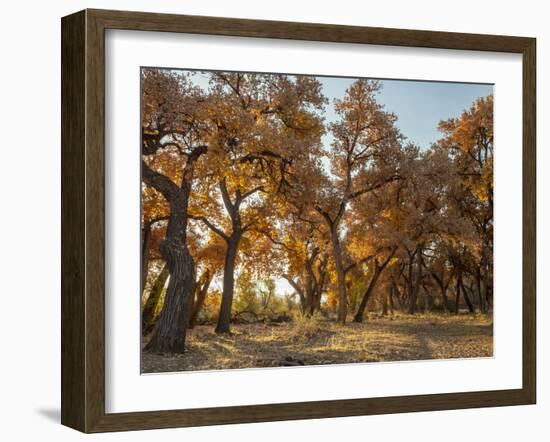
[484, 281]
[378, 269]
[416, 284]
[308, 307]
[366, 296]
[444, 301]
[443, 290]
[224, 318]
[397, 294]
[202, 290]
[458, 290]
[170, 330]
[385, 304]
[342, 298]
[145, 246]
[147, 316]
[471, 308]
[299, 291]
[477, 281]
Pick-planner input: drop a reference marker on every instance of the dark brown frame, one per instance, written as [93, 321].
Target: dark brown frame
[83, 215]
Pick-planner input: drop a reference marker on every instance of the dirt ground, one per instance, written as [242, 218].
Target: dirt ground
[313, 342]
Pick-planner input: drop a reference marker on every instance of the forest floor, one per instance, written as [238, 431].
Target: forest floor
[313, 342]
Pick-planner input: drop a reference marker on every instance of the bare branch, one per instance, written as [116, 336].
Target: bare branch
[211, 226]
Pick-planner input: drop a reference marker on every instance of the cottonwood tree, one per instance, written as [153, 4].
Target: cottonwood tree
[262, 125]
[306, 253]
[469, 138]
[171, 116]
[374, 234]
[363, 157]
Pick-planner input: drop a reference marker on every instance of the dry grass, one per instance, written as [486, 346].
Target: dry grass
[312, 342]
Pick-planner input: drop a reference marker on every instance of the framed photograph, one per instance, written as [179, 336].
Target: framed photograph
[267, 221]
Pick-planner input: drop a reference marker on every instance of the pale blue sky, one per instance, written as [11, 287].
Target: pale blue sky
[419, 105]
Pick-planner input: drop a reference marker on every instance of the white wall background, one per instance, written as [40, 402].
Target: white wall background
[30, 217]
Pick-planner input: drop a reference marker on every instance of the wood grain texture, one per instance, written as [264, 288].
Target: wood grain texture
[73, 350]
[529, 220]
[83, 218]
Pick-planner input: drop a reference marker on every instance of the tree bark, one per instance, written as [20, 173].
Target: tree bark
[224, 318]
[416, 284]
[443, 290]
[484, 282]
[390, 299]
[366, 296]
[378, 269]
[477, 281]
[147, 316]
[471, 308]
[170, 330]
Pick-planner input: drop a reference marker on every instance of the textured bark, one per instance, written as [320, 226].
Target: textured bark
[147, 316]
[224, 318]
[169, 332]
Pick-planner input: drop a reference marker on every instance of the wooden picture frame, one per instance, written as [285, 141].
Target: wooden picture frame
[83, 219]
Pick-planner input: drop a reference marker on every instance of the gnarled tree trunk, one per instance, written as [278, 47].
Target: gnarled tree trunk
[170, 330]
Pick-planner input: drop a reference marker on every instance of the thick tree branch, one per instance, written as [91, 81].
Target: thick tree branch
[158, 181]
[374, 186]
[294, 285]
[251, 192]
